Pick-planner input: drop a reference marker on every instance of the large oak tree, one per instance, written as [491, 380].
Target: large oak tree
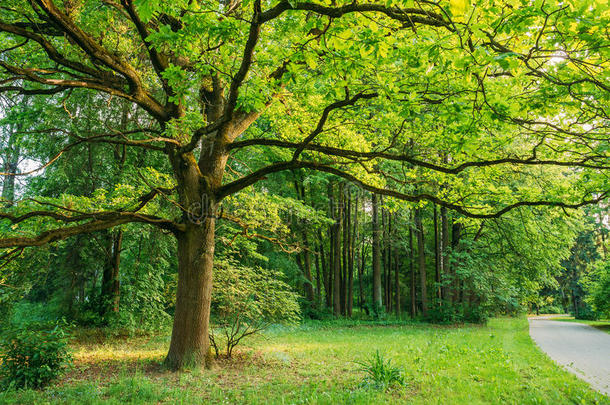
[407, 93]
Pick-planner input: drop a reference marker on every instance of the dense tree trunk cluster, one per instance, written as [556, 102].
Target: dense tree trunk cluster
[378, 259]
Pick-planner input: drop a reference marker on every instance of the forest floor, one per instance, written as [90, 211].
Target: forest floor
[316, 363]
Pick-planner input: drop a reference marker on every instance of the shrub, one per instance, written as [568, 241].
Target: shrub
[474, 314]
[25, 314]
[551, 309]
[245, 301]
[30, 357]
[317, 313]
[380, 374]
[445, 312]
[587, 313]
[599, 289]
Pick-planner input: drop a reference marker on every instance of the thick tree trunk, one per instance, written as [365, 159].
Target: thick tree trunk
[384, 262]
[384, 258]
[309, 293]
[190, 345]
[331, 249]
[377, 298]
[196, 185]
[304, 263]
[389, 263]
[331, 266]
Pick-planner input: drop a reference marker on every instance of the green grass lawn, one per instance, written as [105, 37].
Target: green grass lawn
[315, 363]
[602, 324]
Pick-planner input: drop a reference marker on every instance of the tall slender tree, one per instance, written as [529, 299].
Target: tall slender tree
[421, 261]
[377, 293]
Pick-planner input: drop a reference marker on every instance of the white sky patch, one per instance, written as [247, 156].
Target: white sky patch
[558, 57]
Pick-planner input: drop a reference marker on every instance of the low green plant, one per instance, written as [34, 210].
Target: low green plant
[551, 309]
[247, 300]
[587, 313]
[136, 389]
[380, 373]
[32, 356]
[447, 312]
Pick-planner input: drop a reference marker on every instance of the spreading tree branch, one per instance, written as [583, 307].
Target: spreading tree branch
[585, 162]
[257, 175]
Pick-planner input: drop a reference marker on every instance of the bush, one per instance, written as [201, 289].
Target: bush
[245, 301]
[587, 313]
[475, 314]
[30, 357]
[446, 312]
[317, 313]
[551, 309]
[380, 374]
[25, 313]
[600, 289]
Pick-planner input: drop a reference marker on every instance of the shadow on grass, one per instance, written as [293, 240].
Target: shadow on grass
[605, 328]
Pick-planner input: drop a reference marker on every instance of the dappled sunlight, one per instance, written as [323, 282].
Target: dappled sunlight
[111, 354]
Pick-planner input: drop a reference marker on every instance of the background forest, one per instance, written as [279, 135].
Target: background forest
[322, 238]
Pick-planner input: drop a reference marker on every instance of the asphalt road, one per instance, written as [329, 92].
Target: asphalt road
[581, 349]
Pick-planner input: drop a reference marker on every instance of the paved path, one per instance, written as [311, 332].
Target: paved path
[582, 349]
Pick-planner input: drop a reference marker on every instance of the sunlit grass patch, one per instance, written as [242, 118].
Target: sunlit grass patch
[497, 363]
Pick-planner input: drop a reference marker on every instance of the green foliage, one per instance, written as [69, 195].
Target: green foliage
[26, 314]
[380, 373]
[316, 312]
[144, 303]
[580, 279]
[516, 256]
[446, 312]
[551, 309]
[32, 357]
[245, 301]
[586, 312]
[599, 289]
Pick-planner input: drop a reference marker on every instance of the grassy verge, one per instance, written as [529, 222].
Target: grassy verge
[314, 363]
[603, 325]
